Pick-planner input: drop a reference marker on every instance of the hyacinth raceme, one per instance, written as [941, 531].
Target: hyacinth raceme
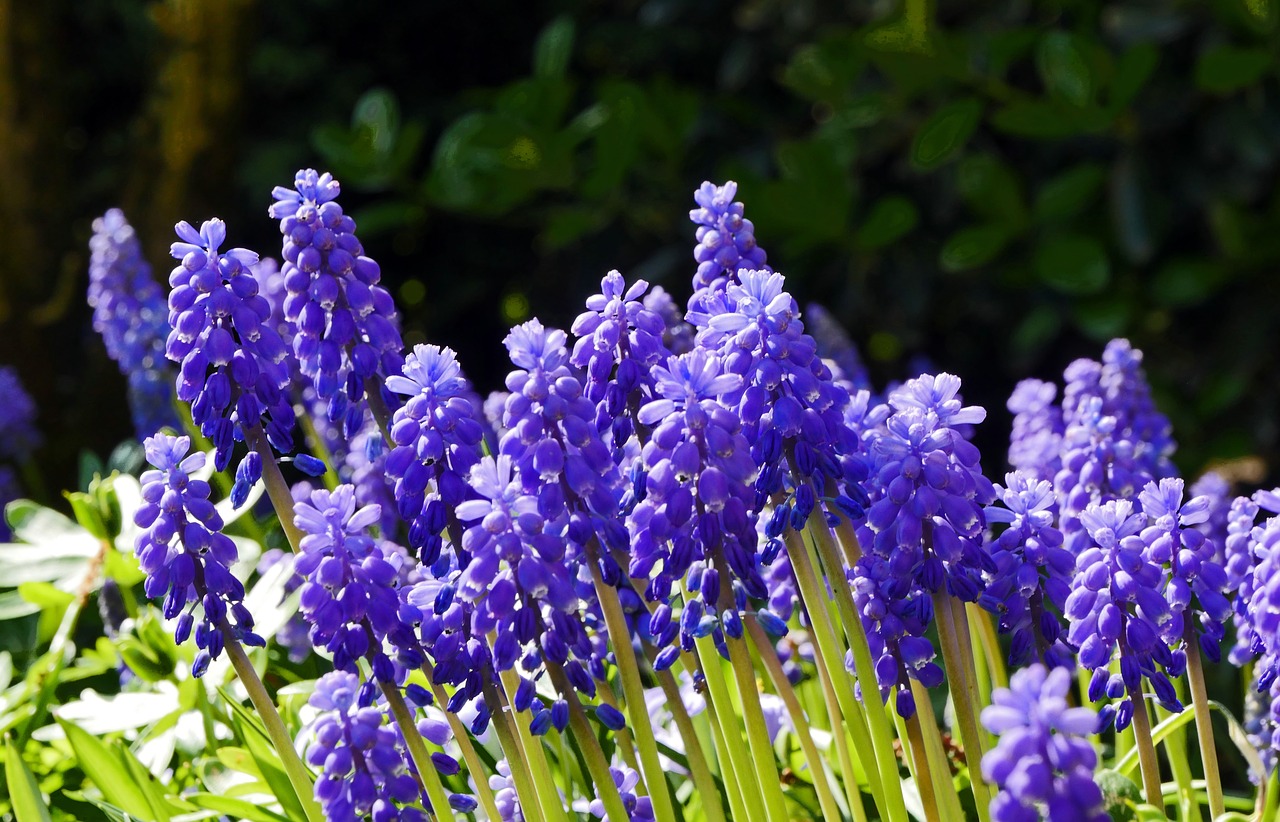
[1043, 763]
[130, 313]
[18, 434]
[677, 335]
[349, 597]
[346, 321]
[726, 239]
[362, 767]
[639, 808]
[1114, 440]
[1117, 599]
[437, 440]
[234, 366]
[792, 410]
[1239, 553]
[620, 340]
[1035, 444]
[184, 553]
[1033, 573]
[696, 516]
[896, 617]
[926, 516]
[1197, 582]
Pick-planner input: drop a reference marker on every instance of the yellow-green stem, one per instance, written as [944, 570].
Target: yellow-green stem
[318, 447]
[299, 778]
[923, 773]
[629, 671]
[980, 623]
[814, 596]
[1146, 752]
[543, 782]
[462, 736]
[817, 765]
[585, 736]
[762, 755]
[963, 697]
[277, 488]
[879, 726]
[939, 765]
[698, 768]
[516, 761]
[1175, 751]
[1204, 724]
[440, 807]
[839, 733]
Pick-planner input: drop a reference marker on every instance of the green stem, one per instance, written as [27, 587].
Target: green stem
[821, 777]
[879, 768]
[980, 623]
[463, 738]
[840, 733]
[440, 807]
[963, 697]
[585, 736]
[1175, 751]
[525, 791]
[629, 671]
[277, 488]
[737, 802]
[1204, 724]
[299, 778]
[704, 785]
[543, 782]
[1269, 798]
[878, 720]
[939, 765]
[1146, 752]
[923, 773]
[735, 747]
[757, 732]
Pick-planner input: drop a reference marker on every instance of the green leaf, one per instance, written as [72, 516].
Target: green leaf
[1132, 72]
[1063, 68]
[1186, 282]
[85, 508]
[235, 808]
[1119, 793]
[108, 770]
[890, 218]
[259, 746]
[1073, 264]
[554, 48]
[1048, 119]
[972, 247]
[991, 189]
[945, 133]
[1070, 193]
[24, 793]
[1225, 69]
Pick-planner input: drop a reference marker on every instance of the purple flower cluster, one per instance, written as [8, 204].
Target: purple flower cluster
[1033, 574]
[437, 440]
[18, 434]
[346, 321]
[130, 313]
[185, 555]
[1043, 763]
[363, 767]
[349, 597]
[234, 368]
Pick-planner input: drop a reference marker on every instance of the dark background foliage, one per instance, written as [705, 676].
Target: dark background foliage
[998, 187]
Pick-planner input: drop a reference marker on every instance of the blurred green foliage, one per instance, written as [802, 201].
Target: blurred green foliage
[999, 187]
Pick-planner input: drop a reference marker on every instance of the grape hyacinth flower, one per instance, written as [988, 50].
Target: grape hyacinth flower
[1035, 444]
[1043, 762]
[349, 596]
[234, 369]
[726, 239]
[1240, 560]
[639, 808]
[1033, 573]
[18, 434]
[437, 441]
[130, 313]
[363, 769]
[1117, 599]
[185, 555]
[346, 321]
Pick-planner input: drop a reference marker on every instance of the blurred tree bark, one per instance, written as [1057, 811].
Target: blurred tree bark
[182, 149]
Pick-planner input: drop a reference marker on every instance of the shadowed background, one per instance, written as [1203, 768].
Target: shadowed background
[998, 191]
